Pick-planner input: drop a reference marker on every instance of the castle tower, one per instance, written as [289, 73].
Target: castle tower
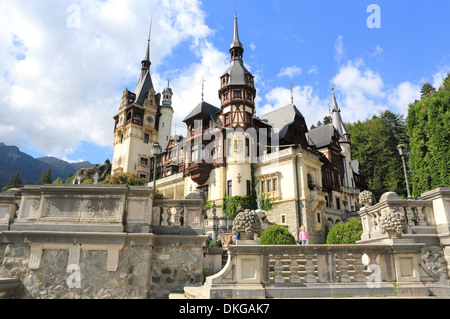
[165, 118]
[344, 141]
[237, 90]
[135, 129]
[237, 95]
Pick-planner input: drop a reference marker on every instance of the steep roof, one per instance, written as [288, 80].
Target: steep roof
[203, 108]
[144, 85]
[322, 135]
[282, 118]
[336, 119]
[237, 72]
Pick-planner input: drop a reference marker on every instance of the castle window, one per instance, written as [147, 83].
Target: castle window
[229, 188]
[247, 147]
[227, 119]
[146, 138]
[144, 161]
[121, 139]
[249, 187]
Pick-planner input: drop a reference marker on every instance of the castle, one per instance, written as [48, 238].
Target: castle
[230, 150]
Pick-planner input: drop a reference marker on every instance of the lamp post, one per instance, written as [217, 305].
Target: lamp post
[156, 150]
[402, 151]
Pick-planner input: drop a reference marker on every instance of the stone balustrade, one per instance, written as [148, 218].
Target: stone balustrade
[419, 215]
[166, 216]
[256, 271]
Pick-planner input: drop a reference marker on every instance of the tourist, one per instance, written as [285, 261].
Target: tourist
[303, 236]
[240, 210]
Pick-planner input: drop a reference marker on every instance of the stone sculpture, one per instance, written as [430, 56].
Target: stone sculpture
[367, 198]
[248, 224]
[98, 172]
[394, 224]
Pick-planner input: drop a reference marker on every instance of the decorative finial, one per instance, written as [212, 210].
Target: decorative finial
[292, 94]
[203, 88]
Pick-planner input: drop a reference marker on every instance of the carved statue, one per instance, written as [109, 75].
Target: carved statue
[393, 223]
[367, 198]
[98, 172]
[248, 224]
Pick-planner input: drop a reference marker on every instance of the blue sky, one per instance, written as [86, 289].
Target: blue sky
[64, 64]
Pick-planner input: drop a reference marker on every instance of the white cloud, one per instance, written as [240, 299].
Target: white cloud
[404, 94]
[291, 71]
[313, 70]
[252, 46]
[362, 92]
[378, 51]
[339, 48]
[439, 77]
[60, 84]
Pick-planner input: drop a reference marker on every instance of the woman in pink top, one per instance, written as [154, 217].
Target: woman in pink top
[303, 236]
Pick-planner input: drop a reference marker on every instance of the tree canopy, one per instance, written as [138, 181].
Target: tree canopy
[14, 182]
[374, 145]
[428, 126]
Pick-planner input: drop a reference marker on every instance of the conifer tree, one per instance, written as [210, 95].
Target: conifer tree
[14, 182]
[46, 177]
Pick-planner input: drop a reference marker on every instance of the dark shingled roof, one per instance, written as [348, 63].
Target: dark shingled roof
[281, 118]
[203, 108]
[322, 135]
[144, 85]
[238, 73]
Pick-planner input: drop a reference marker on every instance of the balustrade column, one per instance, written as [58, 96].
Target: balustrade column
[343, 268]
[279, 279]
[310, 267]
[294, 268]
[359, 268]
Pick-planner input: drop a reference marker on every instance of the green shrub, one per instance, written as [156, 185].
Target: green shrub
[277, 235]
[345, 233]
[231, 204]
[214, 244]
[122, 178]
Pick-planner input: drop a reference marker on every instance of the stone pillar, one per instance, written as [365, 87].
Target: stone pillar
[441, 211]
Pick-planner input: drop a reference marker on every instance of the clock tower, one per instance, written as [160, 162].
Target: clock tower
[136, 125]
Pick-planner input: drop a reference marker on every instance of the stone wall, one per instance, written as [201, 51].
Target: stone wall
[96, 242]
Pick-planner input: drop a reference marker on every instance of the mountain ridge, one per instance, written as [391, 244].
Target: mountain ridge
[12, 160]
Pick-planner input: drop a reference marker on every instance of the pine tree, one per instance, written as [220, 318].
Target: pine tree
[46, 177]
[374, 145]
[427, 90]
[14, 182]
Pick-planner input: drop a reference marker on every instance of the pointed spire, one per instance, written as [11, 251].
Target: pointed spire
[336, 120]
[146, 62]
[236, 42]
[335, 105]
[236, 48]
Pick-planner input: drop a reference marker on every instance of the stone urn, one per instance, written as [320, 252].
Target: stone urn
[248, 224]
[367, 198]
[394, 224]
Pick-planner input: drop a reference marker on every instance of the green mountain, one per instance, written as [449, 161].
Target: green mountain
[12, 160]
